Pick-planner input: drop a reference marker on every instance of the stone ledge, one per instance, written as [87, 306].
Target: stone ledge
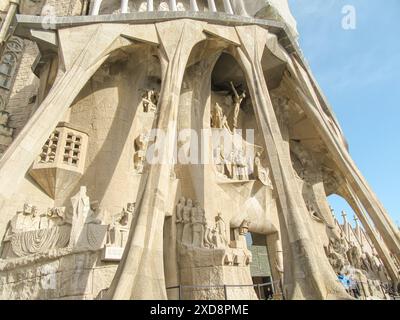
[26, 22]
[54, 254]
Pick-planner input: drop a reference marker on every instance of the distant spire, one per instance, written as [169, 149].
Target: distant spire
[332, 212]
[344, 215]
[356, 220]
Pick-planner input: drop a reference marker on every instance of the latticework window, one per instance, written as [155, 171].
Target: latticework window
[72, 149]
[49, 149]
[7, 70]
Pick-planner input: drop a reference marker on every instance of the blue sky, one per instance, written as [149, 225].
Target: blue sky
[358, 70]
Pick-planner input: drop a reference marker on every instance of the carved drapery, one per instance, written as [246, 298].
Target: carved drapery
[37, 241]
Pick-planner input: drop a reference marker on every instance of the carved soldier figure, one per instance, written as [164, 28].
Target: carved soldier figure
[179, 217]
[220, 234]
[219, 160]
[244, 227]
[27, 220]
[54, 217]
[241, 165]
[187, 223]
[231, 166]
[209, 236]
[198, 223]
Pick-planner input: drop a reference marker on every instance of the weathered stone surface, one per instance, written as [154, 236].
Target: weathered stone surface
[78, 160]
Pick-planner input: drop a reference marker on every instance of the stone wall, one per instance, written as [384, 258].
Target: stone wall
[21, 99]
[77, 276]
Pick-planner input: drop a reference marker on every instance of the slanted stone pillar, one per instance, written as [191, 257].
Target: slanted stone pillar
[301, 84]
[124, 6]
[194, 6]
[309, 276]
[211, 6]
[345, 225]
[140, 274]
[96, 7]
[172, 5]
[228, 7]
[380, 246]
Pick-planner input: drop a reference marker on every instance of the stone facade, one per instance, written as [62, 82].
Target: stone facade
[87, 213]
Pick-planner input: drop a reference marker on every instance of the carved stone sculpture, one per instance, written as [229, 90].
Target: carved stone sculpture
[354, 256]
[198, 223]
[220, 235]
[30, 233]
[150, 100]
[218, 118]
[118, 230]
[141, 143]
[260, 172]
[87, 231]
[237, 102]
[219, 61]
[187, 236]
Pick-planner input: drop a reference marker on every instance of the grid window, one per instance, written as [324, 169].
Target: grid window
[72, 149]
[49, 149]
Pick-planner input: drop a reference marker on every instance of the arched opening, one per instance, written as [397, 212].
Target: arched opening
[355, 255]
[260, 267]
[339, 205]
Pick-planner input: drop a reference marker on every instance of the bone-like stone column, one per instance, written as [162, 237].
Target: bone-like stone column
[211, 6]
[96, 7]
[309, 275]
[302, 86]
[383, 252]
[150, 5]
[194, 6]
[140, 274]
[172, 5]
[228, 7]
[124, 6]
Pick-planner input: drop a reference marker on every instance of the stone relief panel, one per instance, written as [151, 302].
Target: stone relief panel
[62, 250]
[117, 234]
[206, 250]
[9, 63]
[6, 133]
[349, 257]
[194, 231]
[30, 232]
[234, 158]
